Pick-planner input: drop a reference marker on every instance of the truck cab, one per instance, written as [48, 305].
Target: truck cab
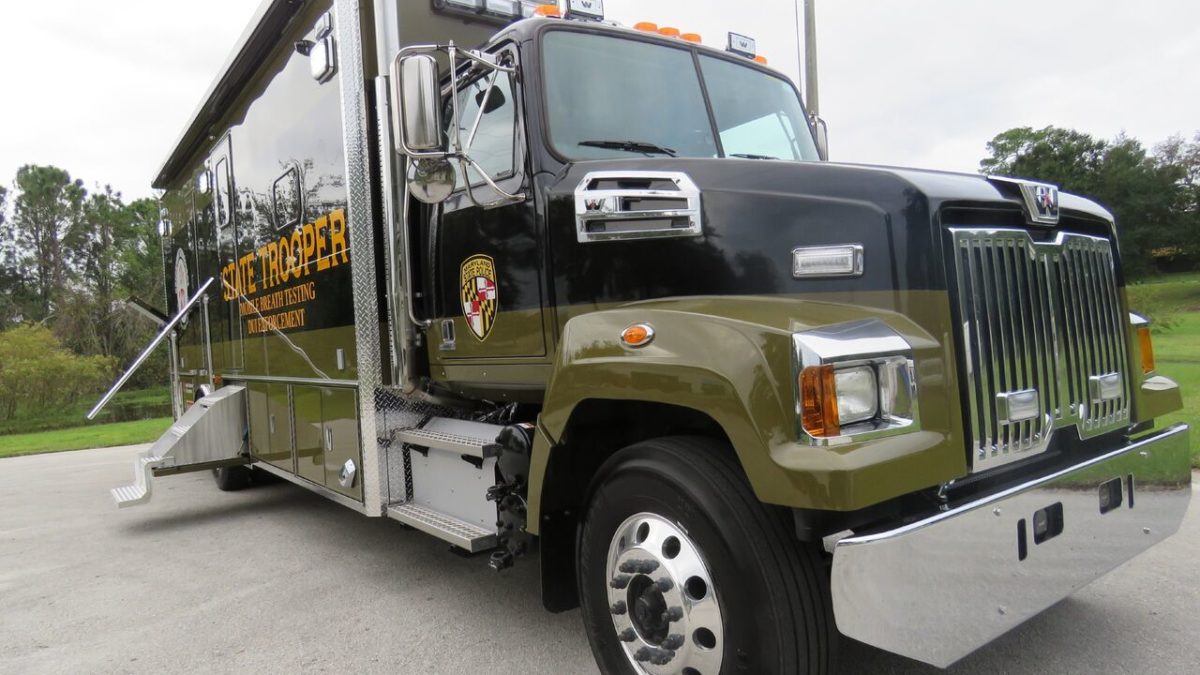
[594, 297]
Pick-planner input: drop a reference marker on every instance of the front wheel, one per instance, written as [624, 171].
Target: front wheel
[682, 570]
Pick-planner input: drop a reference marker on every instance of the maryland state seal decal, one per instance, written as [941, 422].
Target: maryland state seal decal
[480, 296]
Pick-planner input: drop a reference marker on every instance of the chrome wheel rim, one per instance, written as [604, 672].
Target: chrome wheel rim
[662, 599]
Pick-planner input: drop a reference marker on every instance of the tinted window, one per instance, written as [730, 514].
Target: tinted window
[600, 88]
[223, 196]
[757, 114]
[495, 137]
[285, 199]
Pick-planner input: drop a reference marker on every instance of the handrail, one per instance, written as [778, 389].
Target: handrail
[141, 359]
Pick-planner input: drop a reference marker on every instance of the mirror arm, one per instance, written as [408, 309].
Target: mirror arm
[487, 96]
[505, 197]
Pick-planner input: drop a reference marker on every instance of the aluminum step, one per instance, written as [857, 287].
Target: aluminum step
[456, 436]
[139, 492]
[462, 534]
[209, 434]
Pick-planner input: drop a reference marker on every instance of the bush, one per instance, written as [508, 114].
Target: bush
[37, 373]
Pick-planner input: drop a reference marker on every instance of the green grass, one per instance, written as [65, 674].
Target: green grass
[126, 406]
[1176, 298]
[1177, 356]
[79, 438]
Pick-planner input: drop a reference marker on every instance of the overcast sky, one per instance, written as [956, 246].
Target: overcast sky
[103, 89]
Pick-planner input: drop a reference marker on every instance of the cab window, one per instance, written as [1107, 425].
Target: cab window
[493, 146]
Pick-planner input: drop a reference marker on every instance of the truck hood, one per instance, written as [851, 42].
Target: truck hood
[755, 212]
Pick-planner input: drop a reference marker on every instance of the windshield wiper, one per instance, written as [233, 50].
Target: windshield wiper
[743, 156]
[631, 146]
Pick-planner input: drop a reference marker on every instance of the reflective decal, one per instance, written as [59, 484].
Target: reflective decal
[480, 295]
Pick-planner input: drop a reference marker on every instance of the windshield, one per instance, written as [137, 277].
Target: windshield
[614, 97]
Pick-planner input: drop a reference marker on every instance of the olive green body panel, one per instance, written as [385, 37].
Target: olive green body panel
[731, 359]
[310, 446]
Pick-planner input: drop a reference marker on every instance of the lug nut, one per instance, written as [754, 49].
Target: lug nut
[619, 608]
[620, 581]
[664, 584]
[675, 614]
[673, 642]
[627, 635]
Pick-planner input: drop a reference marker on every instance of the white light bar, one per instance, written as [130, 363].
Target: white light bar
[745, 46]
[506, 8]
[827, 261]
[582, 9]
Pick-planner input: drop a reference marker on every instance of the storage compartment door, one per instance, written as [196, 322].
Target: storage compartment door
[343, 459]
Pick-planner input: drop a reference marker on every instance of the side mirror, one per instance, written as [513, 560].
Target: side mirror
[821, 133]
[417, 104]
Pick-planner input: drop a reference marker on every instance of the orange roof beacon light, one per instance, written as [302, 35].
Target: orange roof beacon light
[692, 37]
[549, 11]
[669, 31]
[646, 26]
[761, 59]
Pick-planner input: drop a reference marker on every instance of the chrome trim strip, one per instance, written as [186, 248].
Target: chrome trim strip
[319, 489]
[361, 216]
[300, 381]
[937, 589]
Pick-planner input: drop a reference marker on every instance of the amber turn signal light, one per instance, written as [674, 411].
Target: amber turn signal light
[1147, 349]
[818, 402]
[638, 335]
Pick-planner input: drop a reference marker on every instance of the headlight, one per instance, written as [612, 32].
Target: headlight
[857, 394]
[854, 381]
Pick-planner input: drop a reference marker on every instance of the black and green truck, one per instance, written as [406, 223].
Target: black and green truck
[593, 298]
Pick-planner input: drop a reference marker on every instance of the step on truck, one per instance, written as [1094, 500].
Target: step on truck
[592, 297]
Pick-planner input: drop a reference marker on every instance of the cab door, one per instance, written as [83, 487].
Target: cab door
[489, 260]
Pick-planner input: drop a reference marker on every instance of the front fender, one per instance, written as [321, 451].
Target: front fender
[731, 359]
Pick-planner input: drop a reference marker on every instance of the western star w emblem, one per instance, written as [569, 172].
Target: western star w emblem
[1042, 202]
[480, 296]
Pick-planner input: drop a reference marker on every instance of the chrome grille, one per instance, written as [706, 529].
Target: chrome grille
[1038, 316]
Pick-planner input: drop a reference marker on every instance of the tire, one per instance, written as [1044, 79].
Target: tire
[773, 610]
[233, 478]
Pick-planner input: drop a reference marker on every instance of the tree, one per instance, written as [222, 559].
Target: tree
[37, 372]
[115, 256]
[46, 221]
[1144, 192]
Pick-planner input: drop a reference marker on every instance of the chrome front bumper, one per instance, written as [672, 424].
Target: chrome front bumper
[940, 588]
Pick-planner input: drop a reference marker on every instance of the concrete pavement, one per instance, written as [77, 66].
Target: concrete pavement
[278, 580]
